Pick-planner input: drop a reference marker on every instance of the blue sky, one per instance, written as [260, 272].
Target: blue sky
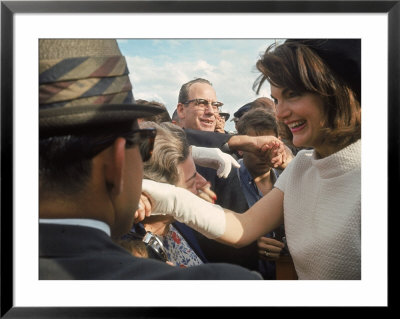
[158, 68]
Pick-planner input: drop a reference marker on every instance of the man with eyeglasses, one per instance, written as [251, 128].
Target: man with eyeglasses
[198, 109]
[91, 154]
[197, 105]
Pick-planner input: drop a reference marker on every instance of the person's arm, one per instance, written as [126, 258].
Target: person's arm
[268, 147]
[206, 139]
[233, 142]
[263, 217]
[211, 220]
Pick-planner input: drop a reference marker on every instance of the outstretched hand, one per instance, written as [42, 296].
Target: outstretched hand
[275, 152]
[272, 149]
[268, 147]
[214, 158]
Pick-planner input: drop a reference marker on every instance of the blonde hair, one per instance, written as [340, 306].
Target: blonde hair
[170, 149]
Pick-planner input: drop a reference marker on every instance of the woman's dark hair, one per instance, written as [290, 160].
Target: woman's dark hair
[295, 66]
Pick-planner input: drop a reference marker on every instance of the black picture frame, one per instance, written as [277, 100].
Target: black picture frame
[9, 8]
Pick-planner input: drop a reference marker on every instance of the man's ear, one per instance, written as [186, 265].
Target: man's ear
[115, 166]
[180, 109]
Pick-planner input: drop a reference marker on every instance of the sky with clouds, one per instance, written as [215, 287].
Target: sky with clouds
[159, 67]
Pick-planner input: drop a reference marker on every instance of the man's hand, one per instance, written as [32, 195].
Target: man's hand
[268, 148]
[214, 158]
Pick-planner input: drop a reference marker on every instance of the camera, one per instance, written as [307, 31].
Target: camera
[155, 247]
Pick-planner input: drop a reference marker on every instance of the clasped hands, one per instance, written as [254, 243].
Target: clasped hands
[268, 148]
[271, 149]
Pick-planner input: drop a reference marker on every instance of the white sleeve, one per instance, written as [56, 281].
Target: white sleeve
[208, 219]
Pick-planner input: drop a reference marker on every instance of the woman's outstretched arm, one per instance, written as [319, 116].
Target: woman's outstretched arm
[212, 220]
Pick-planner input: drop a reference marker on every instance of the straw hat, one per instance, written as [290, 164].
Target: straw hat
[84, 83]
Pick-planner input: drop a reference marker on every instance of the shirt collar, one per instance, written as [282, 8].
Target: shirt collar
[78, 222]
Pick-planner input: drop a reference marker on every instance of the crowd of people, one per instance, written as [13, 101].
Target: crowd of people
[128, 191]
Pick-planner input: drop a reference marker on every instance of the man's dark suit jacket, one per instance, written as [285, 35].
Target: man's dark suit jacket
[230, 196]
[80, 252]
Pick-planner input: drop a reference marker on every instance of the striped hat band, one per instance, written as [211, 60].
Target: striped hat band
[84, 83]
[84, 80]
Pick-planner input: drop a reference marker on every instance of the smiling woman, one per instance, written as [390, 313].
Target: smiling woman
[318, 195]
[303, 114]
[316, 86]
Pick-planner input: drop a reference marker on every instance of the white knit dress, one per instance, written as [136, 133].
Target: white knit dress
[322, 213]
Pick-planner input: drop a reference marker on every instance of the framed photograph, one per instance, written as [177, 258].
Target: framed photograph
[23, 23]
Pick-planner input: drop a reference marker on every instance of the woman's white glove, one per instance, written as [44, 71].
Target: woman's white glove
[214, 158]
[208, 219]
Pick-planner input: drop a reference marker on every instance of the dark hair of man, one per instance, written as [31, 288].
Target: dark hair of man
[65, 162]
[184, 91]
[298, 68]
[259, 120]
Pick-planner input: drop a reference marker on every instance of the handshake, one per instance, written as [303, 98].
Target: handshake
[269, 148]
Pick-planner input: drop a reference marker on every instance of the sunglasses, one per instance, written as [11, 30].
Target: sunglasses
[144, 138]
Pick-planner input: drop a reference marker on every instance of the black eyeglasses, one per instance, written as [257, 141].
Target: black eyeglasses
[203, 104]
[144, 138]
